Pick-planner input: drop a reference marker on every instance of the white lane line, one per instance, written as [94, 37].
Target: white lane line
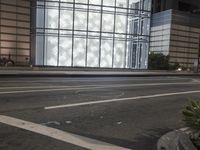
[89, 87]
[119, 100]
[74, 139]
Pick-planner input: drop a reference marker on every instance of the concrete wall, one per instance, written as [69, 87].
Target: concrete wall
[176, 34]
[162, 5]
[15, 30]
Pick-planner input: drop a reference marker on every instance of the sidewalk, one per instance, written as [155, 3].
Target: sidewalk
[84, 72]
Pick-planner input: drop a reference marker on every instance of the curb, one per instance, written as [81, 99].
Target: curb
[175, 140]
[88, 75]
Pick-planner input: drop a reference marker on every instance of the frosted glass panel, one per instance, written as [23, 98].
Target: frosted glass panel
[65, 51]
[97, 2]
[119, 54]
[106, 53]
[66, 0]
[79, 52]
[122, 3]
[80, 20]
[93, 53]
[40, 18]
[94, 21]
[39, 48]
[66, 19]
[51, 50]
[108, 22]
[120, 26]
[109, 2]
[81, 1]
[52, 18]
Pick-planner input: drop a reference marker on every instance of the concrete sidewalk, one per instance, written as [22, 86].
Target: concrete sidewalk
[84, 72]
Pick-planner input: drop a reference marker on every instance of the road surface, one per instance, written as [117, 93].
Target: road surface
[91, 113]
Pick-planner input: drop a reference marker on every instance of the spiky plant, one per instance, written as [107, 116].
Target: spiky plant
[192, 120]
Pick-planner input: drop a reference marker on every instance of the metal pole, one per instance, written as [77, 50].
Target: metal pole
[198, 56]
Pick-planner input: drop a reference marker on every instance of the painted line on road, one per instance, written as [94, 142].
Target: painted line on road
[119, 100]
[74, 139]
[89, 87]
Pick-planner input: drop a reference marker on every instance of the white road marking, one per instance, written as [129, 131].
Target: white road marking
[89, 87]
[119, 100]
[74, 139]
[51, 122]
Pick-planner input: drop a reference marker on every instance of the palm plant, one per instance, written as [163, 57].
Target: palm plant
[192, 120]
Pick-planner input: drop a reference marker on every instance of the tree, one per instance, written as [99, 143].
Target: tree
[158, 61]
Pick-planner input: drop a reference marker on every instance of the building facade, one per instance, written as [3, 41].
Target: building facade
[92, 33]
[76, 33]
[15, 31]
[175, 31]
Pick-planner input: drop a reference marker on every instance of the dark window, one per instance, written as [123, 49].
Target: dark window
[183, 6]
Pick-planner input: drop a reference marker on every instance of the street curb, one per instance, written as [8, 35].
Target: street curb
[92, 74]
[175, 140]
[85, 72]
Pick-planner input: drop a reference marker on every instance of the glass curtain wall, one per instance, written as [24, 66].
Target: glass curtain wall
[93, 33]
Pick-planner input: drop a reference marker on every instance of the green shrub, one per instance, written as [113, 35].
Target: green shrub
[192, 120]
[174, 66]
[158, 61]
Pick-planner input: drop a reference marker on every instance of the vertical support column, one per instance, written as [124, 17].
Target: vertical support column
[72, 63]
[0, 30]
[101, 22]
[44, 33]
[198, 56]
[16, 45]
[33, 32]
[114, 28]
[126, 46]
[139, 35]
[149, 21]
[86, 56]
[58, 55]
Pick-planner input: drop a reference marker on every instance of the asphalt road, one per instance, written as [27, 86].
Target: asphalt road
[130, 113]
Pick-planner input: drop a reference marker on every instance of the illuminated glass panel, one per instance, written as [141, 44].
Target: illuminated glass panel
[106, 53]
[93, 53]
[80, 22]
[51, 50]
[108, 23]
[79, 54]
[96, 2]
[109, 2]
[119, 54]
[101, 33]
[94, 21]
[65, 51]
[66, 18]
[39, 50]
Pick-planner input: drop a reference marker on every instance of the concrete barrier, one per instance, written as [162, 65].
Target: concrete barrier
[175, 140]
